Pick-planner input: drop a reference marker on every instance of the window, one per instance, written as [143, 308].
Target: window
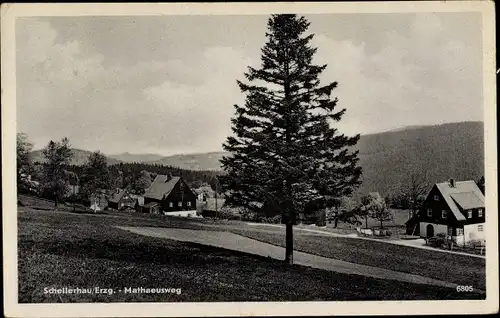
[480, 212]
[171, 204]
[180, 204]
[469, 214]
[460, 231]
[436, 198]
[429, 212]
[189, 203]
[480, 228]
[443, 214]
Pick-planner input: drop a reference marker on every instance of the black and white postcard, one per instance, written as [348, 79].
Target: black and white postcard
[249, 159]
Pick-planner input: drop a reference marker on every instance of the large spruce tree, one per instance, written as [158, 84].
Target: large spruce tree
[286, 156]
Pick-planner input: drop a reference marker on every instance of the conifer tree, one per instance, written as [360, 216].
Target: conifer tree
[55, 180]
[95, 175]
[286, 155]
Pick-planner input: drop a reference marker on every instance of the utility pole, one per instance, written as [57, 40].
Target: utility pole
[216, 208]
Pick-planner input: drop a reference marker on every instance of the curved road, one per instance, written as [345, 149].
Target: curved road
[240, 243]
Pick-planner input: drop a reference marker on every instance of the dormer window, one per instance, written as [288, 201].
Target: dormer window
[436, 197]
[429, 212]
[443, 214]
[469, 214]
[480, 212]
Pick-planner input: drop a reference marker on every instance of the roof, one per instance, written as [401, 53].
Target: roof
[117, 196]
[465, 193]
[161, 186]
[210, 204]
[468, 200]
[151, 204]
[99, 195]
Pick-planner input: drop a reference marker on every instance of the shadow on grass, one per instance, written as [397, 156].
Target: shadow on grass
[210, 273]
[138, 252]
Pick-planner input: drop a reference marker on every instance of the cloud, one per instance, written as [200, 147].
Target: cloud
[422, 78]
[184, 103]
[163, 106]
[199, 114]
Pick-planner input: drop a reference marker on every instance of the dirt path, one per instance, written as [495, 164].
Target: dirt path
[419, 244]
[240, 243]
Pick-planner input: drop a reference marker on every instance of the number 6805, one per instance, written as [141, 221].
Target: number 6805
[461, 288]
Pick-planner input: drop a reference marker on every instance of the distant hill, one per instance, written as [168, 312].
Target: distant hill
[79, 157]
[445, 151]
[132, 157]
[200, 161]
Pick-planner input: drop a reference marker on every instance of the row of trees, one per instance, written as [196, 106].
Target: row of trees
[370, 206]
[56, 174]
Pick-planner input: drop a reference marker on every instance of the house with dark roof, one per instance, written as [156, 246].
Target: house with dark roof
[456, 209]
[173, 194]
[120, 199]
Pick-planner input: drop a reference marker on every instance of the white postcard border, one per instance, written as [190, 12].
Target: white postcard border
[12, 309]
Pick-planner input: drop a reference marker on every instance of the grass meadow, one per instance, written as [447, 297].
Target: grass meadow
[63, 249]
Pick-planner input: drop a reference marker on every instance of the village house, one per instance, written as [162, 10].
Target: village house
[98, 201]
[173, 196]
[30, 184]
[211, 207]
[456, 209]
[120, 199]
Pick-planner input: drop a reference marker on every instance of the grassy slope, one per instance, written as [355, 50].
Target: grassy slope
[58, 249]
[459, 269]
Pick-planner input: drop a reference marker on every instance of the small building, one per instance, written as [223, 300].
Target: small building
[73, 189]
[98, 201]
[456, 209]
[173, 194]
[317, 217]
[152, 208]
[211, 207]
[120, 199]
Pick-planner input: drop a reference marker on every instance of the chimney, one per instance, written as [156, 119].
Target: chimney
[169, 176]
[452, 183]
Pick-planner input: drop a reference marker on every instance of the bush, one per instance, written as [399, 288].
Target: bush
[438, 240]
[475, 242]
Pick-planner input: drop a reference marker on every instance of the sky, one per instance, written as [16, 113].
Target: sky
[167, 84]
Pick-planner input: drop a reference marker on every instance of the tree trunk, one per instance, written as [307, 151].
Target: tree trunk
[55, 202]
[381, 223]
[366, 222]
[289, 243]
[336, 223]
